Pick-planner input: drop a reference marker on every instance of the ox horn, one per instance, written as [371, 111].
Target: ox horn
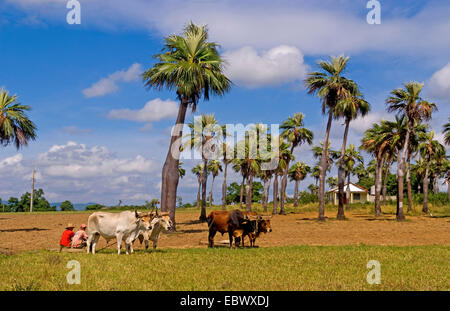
[136, 214]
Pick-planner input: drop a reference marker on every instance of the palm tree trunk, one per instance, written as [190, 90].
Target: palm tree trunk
[210, 191]
[323, 169]
[266, 193]
[248, 194]
[348, 192]
[283, 189]
[204, 182]
[241, 199]
[408, 182]
[435, 184]
[296, 193]
[386, 174]
[275, 194]
[198, 192]
[378, 174]
[170, 174]
[341, 173]
[448, 189]
[401, 175]
[224, 188]
[426, 182]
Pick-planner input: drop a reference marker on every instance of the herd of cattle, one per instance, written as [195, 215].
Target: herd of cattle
[128, 226]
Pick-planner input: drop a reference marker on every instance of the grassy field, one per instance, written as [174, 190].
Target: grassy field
[272, 268]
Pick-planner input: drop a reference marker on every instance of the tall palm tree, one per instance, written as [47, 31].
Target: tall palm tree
[266, 176]
[228, 155]
[407, 102]
[350, 158]
[214, 167]
[429, 149]
[349, 108]
[198, 171]
[296, 134]
[331, 87]
[204, 136]
[239, 168]
[297, 173]
[315, 174]
[374, 143]
[415, 139]
[283, 155]
[15, 127]
[192, 66]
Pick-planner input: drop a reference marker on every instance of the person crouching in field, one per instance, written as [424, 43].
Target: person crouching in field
[80, 237]
[66, 237]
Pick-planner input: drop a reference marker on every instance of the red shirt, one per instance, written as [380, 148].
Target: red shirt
[66, 237]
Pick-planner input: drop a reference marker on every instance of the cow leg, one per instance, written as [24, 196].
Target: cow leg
[94, 241]
[88, 242]
[155, 243]
[119, 242]
[211, 236]
[230, 234]
[146, 244]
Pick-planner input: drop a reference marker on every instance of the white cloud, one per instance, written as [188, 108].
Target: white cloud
[361, 124]
[109, 85]
[79, 173]
[279, 65]
[439, 83]
[153, 110]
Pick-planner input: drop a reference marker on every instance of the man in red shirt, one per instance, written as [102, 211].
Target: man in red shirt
[66, 237]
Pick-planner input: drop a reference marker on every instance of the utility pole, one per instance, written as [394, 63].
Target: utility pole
[32, 191]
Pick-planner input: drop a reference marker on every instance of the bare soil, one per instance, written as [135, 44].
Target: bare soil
[28, 232]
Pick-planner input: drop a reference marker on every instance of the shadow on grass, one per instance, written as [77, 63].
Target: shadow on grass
[23, 229]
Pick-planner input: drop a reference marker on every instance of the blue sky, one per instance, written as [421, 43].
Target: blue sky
[83, 153]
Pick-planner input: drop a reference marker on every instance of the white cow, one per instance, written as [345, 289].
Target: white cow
[159, 223]
[122, 226]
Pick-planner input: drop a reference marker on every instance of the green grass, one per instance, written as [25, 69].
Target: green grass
[274, 268]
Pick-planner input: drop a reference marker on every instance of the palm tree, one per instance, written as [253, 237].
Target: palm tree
[228, 154]
[332, 182]
[297, 173]
[283, 154]
[295, 134]
[214, 167]
[192, 66]
[447, 132]
[350, 158]
[198, 171]
[204, 136]
[429, 149]
[331, 88]
[15, 127]
[407, 102]
[266, 176]
[374, 143]
[315, 174]
[239, 168]
[349, 108]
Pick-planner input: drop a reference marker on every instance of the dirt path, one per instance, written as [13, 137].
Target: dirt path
[24, 232]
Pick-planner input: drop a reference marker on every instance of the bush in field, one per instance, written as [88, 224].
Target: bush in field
[93, 207]
[67, 206]
[306, 197]
[436, 199]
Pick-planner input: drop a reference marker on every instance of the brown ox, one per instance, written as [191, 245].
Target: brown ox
[234, 222]
[263, 226]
